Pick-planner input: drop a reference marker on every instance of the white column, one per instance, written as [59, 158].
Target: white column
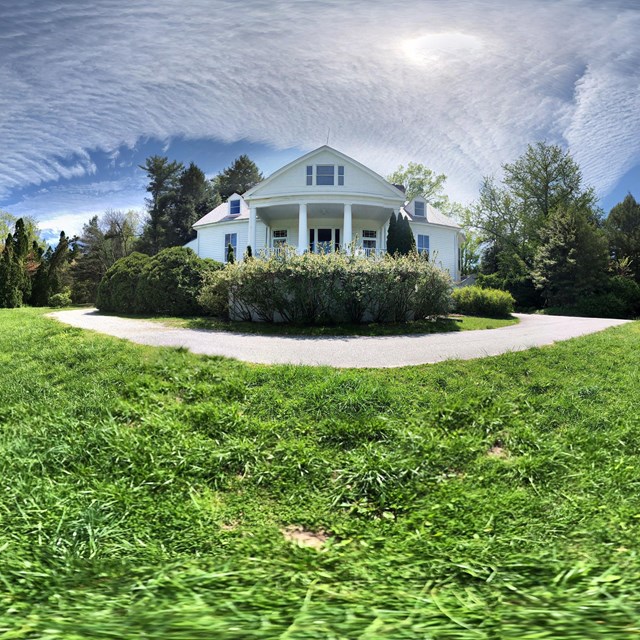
[303, 233]
[252, 230]
[347, 226]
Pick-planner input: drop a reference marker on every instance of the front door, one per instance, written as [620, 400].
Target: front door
[324, 240]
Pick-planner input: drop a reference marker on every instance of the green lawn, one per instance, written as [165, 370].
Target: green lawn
[145, 491]
[441, 325]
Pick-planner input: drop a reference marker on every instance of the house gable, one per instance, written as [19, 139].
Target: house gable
[292, 179]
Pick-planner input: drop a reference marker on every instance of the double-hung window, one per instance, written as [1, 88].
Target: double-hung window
[423, 244]
[418, 209]
[325, 174]
[369, 239]
[230, 239]
[279, 238]
[234, 207]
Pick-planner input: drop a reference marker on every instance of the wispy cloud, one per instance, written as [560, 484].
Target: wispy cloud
[459, 85]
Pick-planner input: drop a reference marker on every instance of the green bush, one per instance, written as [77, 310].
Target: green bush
[62, 299]
[522, 288]
[117, 289]
[476, 301]
[332, 288]
[170, 282]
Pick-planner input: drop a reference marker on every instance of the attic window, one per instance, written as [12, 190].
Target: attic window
[418, 208]
[309, 175]
[340, 176]
[234, 207]
[325, 174]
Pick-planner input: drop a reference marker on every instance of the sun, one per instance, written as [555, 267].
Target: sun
[441, 47]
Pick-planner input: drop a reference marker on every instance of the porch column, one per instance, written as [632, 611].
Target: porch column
[303, 233]
[252, 230]
[347, 226]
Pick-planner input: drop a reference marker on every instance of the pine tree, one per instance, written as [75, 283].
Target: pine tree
[10, 292]
[623, 230]
[231, 258]
[237, 178]
[572, 258]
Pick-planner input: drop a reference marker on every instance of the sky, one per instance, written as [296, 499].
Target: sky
[89, 89]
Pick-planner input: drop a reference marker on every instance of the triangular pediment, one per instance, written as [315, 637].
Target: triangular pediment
[292, 178]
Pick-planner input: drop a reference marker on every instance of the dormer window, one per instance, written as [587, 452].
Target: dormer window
[418, 209]
[234, 207]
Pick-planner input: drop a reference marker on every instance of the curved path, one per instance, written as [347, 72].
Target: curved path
[344, 351]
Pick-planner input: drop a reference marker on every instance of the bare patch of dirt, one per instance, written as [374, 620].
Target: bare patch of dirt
[305, 538]
[498, 452]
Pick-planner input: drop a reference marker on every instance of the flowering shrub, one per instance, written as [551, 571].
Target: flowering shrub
[331, 288]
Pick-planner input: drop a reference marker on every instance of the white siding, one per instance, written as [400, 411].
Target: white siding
[443, 245]
[294, 180]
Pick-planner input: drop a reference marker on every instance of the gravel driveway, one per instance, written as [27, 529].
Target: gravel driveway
[344, 351]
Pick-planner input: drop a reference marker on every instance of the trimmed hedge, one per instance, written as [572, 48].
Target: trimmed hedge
[477, 301]
[167, 283]
[325, 289]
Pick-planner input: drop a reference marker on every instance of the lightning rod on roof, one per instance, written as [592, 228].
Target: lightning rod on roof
[328, 134]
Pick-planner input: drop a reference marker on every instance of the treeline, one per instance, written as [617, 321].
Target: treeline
[31, 273]
[544, 239]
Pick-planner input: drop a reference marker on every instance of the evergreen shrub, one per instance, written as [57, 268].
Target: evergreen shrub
[167, 283]
[117, 289]
[330, 288]
[476, 301]
[170, 282]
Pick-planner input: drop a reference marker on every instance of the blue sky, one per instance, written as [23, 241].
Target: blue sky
[90, 89]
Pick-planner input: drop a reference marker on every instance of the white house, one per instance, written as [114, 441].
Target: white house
[321, 201]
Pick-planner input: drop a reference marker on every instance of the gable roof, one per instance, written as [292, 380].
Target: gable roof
[432, 216]
[393, 190]
[221, 212]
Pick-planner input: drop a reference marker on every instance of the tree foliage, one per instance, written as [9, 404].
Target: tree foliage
[103, 241]
[512, 214]
[179, 196]
[238, 178]
[623, 231]
[400, 238]
[571, 261]
[419, 181]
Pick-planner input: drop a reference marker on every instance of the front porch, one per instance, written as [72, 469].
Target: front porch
[320, 227]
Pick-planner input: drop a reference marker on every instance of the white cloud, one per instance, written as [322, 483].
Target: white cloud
[461, 86]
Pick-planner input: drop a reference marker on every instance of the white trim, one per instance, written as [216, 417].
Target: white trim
[305, 160]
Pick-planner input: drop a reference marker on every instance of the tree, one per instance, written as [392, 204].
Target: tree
[419, 181]
[406, 242]
[53, 275]
[10, 291]
[392, 235]
[512, 214]
[571, 260]
[164, 178]
[623, 231]
[194, 197]
[237, 178]
[103, 241]
[231, 258]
